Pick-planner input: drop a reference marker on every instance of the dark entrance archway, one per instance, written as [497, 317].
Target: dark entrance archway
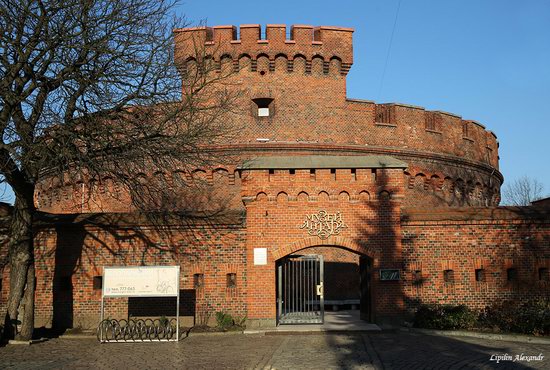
[318, 278]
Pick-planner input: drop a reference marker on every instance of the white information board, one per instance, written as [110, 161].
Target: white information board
[141, 281]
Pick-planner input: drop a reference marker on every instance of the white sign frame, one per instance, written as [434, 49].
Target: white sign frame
[149, 295]
[149, 288]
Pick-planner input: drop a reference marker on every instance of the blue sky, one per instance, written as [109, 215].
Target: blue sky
[486, 60]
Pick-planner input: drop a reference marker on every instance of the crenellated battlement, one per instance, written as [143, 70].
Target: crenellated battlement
[325, 44]
[419, 129]
[292, 101]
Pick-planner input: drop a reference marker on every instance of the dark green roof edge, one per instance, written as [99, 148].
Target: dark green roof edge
[322, 161]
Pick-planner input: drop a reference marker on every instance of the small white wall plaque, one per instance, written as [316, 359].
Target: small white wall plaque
[260, 256]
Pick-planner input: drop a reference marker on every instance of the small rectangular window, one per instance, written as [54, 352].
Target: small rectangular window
[465, 130]
[98, 282]
[511, 274]
[353, 174]
[417, 277]
[198, 281]
[543, 274]
[448, 276]
[263, 105]
[480, 275]
[312, 174]
[430, 120]
[231, 280]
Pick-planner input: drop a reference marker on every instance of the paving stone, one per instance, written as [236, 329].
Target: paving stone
[321, 351]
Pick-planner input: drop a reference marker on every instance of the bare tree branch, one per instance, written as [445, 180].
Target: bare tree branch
[522, 191]
[89, 91]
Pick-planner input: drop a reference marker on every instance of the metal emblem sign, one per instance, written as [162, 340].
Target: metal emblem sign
[323, 224]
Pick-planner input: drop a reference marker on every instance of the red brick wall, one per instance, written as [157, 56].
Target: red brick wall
[198, 190]
[491, 239]
[68, 257]
[452, 162]
[306, 78]
[278, 204]
[423, 241]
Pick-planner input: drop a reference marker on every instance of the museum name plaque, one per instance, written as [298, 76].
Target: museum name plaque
[323, 224]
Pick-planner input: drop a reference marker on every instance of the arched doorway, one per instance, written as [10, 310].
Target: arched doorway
[323, 278]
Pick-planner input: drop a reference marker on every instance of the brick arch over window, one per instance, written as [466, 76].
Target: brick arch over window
[333, 241]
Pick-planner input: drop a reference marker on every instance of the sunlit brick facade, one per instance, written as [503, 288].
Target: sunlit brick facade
[417, 190]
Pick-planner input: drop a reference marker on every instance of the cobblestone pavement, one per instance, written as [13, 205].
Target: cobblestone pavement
[314, 351]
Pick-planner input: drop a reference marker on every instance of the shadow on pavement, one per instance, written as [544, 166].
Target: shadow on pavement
[411, 350]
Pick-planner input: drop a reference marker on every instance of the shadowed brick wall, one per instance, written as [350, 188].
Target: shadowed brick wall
[464, 240]
[70, 255]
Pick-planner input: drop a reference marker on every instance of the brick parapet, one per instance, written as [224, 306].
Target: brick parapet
[325, 43]
[442, 134]
[481, 215]
[440, 178]
[316, 184]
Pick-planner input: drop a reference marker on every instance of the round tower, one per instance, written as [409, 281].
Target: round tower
[294, 103]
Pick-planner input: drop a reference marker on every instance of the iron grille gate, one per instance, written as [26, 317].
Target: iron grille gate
[300, 298]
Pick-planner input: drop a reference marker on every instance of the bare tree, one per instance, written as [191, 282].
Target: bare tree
[522, 191]
[89, 90]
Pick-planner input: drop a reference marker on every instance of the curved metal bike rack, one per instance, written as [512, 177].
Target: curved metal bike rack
[141, 330]
[139, 281]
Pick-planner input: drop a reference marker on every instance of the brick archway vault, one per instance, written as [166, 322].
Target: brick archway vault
[332, 241]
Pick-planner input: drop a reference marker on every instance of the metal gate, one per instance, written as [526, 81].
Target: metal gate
[300, 298]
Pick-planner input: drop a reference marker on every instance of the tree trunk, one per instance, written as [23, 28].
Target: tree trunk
[19, 321]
